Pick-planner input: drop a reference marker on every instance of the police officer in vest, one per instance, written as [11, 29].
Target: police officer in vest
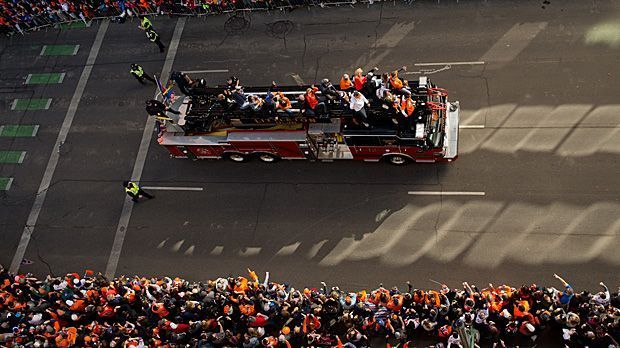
[134, 191]
[145, 23]
[138, 72]
[154, 37]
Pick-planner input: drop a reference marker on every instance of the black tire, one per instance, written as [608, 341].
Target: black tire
[267, 157]
[398, 160]
[237, 157]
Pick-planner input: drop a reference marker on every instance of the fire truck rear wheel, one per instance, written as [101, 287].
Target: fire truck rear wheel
[237, 157]
[267, 157]
[398, 160]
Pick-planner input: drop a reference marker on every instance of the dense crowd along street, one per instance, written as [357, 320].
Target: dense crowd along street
[18, 16]
[250, 311]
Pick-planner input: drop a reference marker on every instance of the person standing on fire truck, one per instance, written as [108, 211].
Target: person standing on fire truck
[357, 103]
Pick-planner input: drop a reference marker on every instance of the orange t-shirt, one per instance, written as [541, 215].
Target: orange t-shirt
[396, 82]
[345, 84]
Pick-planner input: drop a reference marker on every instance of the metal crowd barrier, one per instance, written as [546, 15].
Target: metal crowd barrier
[121, 10]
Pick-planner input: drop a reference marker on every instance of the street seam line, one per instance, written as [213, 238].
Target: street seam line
[123, 222]
[53, 160]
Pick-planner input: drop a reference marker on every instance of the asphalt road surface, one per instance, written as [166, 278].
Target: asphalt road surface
[539, 90]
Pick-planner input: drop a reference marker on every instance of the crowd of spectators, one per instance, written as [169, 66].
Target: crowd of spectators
[89, 310]
[18, 16]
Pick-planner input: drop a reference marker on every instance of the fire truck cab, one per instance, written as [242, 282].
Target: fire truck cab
[210, 125]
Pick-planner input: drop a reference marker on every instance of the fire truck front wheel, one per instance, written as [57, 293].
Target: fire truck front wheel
[237, 157]
[397, 160]
[267, 157]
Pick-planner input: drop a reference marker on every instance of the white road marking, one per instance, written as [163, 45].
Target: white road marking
[172, 188]
[49, 102]
[451, 63]
[471, 126]
[428, 71]
[21, 157]
[62, 77]
[42, 52]
[206, 71]
[385, 44]
[288, 249]
[53, 160]
[446, 193]
[190, 250]
[8, 186]
[513, 42]
[217, 250]
[177, 246]
[123, 222]
[298, 79]
[14, 104]
[35, 130]
[28, 78]
[76, 49]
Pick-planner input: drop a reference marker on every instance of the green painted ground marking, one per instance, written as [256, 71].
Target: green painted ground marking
[31, 104]
[18, 130]
[5, 184]
[60, 50]
[43, 79]
[72, 25]
[14, 157]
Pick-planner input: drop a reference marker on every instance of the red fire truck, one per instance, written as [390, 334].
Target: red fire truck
[210, 125]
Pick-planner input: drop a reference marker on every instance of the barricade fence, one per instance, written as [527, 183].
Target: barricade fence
[21, 17]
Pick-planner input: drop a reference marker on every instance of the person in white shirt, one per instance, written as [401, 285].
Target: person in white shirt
[454, 340]
[357, 103]
[602, 298]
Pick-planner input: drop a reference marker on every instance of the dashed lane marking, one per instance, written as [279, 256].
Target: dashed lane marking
[31, 104]
[60, 50]
[12, 157]
[55, 155]
[206, 71]
[172, 188]
[471, 126]
[73, 25]
[17, 130]
[5, 183]
[44, 79]
[446, 193]
[450, 63]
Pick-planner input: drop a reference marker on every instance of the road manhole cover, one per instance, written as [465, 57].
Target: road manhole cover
[236, 25]
[279, 29]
